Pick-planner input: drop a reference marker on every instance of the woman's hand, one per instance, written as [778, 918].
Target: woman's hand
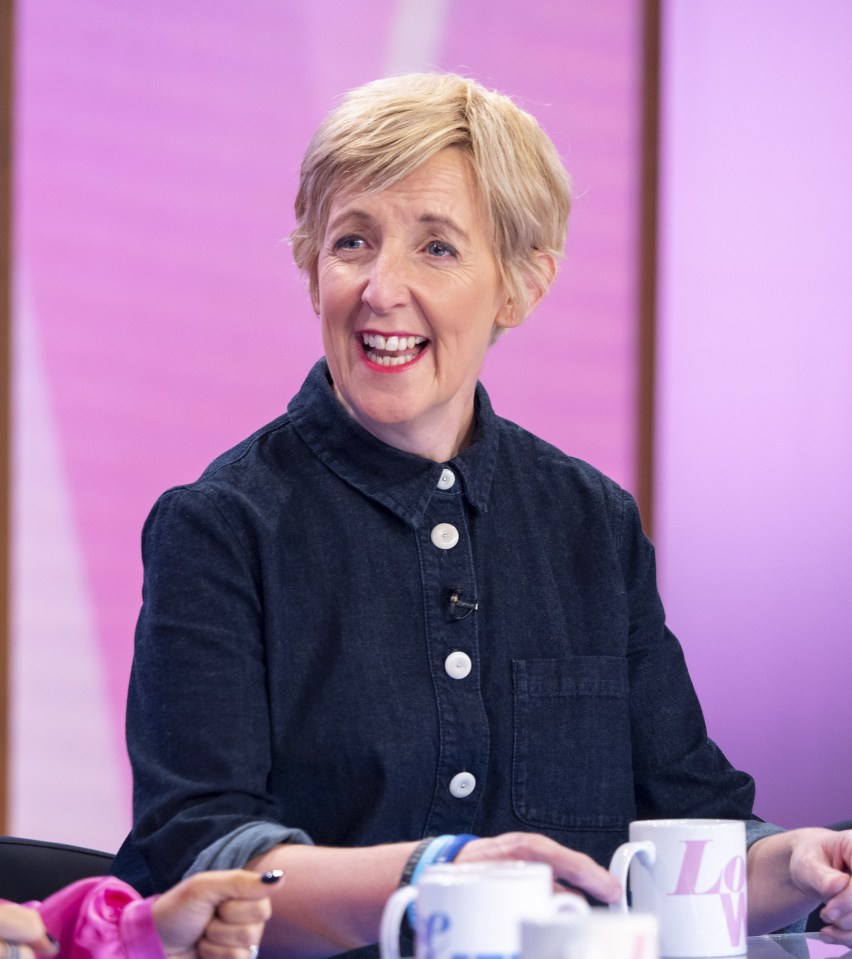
[214, 915]
[821, 866]
[574, 868]
[23, 932]
[791, 873]
[334, 898]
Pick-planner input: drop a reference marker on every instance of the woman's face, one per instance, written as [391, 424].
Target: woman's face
[409, 294]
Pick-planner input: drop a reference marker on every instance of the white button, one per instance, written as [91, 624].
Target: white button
[462, 784]
[445, 536]
[448, 477]
[458, 665]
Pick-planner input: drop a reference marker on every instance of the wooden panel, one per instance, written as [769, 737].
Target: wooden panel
[648, 264]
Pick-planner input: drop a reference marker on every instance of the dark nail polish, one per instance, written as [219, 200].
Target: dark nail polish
[272, 876]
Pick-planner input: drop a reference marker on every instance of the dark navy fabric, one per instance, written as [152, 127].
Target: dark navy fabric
[289, 666]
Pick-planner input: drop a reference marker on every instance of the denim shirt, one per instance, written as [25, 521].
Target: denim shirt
[346, 644]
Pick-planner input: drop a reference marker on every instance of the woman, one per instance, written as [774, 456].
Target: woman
[214, 915]
[390, 614]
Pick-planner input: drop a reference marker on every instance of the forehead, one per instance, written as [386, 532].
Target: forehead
[442, 185]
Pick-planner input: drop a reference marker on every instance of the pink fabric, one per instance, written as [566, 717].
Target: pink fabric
[101, 918]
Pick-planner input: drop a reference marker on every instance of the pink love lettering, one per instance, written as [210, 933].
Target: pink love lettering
[729, 885]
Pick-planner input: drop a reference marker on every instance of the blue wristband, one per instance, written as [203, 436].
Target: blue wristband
[431, 855]
[452, 849]
[427, 857]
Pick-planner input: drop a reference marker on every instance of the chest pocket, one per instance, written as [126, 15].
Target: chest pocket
[572, 764]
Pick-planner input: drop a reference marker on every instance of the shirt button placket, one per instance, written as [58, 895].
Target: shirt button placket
[453, 650]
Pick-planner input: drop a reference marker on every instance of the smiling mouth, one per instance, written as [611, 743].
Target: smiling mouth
[392, 350]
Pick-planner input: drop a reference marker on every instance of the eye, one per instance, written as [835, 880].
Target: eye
[351, 241]
[440, 249]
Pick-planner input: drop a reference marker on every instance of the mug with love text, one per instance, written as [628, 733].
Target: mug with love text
[473, 910]
[691, 874]
[601, 934]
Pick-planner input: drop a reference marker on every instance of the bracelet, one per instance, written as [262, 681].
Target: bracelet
[430, 855]
[413, 859]
[430, 851]
[452, 849]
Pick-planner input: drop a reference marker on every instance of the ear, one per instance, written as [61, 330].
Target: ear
[538, 276]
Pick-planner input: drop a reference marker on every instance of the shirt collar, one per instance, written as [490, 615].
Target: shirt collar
[401, 481]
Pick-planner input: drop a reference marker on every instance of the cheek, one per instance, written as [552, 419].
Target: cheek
[336, 290]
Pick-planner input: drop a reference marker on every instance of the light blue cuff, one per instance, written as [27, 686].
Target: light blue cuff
[755, 829]
[244, 843]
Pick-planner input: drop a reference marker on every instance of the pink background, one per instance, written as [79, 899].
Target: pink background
[754, 466]
[159, 319]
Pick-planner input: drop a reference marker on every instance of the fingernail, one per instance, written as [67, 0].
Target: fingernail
[272, 876]
[53, 939]
[829, 914]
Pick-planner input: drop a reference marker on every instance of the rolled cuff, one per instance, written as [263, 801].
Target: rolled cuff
[757, 829]
[245, 842]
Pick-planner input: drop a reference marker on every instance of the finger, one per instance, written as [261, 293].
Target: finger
[821, 862]
[825, 882]
[244, 910]
[835, 936]
[15, 950]
[582, 872]
[46, 947]
[837, 912]
[217, 886]
[226, 934]
[210, 950]
[21, 924]
[842, 897]
[575, 868]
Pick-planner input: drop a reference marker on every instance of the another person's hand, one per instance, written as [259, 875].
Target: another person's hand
[215, 915]
[576, 869]
[22, 933]
[820, 865]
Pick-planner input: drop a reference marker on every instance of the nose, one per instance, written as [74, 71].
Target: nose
[387, 283]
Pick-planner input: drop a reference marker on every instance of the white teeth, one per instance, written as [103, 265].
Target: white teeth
[375, 341]
[391, 360]
[397, 360]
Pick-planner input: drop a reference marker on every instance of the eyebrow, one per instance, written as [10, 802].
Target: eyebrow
[444, 221]
[431, 219]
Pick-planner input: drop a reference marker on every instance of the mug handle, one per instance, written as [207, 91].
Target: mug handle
[392, 921]
[645, 851]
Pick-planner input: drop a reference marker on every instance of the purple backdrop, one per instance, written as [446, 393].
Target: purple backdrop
[159, 319]
[754, 528]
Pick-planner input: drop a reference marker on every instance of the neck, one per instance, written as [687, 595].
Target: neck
[439, 437]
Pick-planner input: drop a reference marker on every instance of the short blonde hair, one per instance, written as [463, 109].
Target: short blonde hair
[384, 130]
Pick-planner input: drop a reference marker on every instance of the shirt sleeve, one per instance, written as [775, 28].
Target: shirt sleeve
[198, 728]
[243, 844]
[101, 918]
[678, 770]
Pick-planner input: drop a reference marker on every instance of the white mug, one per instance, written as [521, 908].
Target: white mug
[691, 874]
[599, 935]
[473, 910]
